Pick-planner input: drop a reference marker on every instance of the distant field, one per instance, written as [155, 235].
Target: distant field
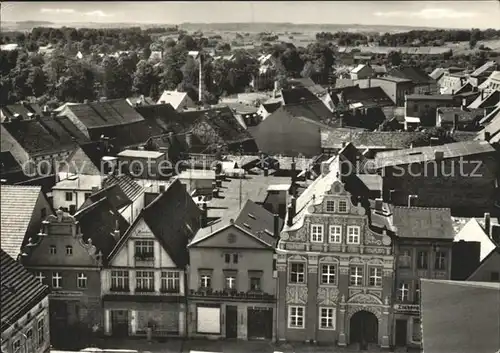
[463, 47]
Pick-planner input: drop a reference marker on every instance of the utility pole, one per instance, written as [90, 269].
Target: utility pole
[241, 182]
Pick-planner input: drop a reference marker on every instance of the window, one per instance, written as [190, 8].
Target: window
[40, 330]
[144, 249]
[81, 281]
[494, 277]
[205, 281]
[317, 233]
[335, 234]
[403, 291]
[255, 284]
[440, 261]
[227, 258]
[170, 281]
[297, 272]
[356, 276]
[330, 206]
[353, 235]
[375, 277]
[342, 206]
[327, 318]
[52, 250]
[119, 280]
[56, 280]
[43, 213]
[16, 346]
[145, 281]
[328, 273]
[235, 258]
[296, 317]
[417, 293]
[69, 196]
[29, 340]
[69, 250]
[405, 259]
[40, 277]
[230, 282]
[422, 260]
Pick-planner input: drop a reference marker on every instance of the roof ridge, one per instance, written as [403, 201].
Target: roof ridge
[423, 208]
[90, 207]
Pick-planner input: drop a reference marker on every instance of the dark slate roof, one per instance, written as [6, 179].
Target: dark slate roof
[302, 82]
[102, 114]
[298, 95]
[372, 96]
[45, 135]
[25, 110]
[174, 219]
[20, 290]
[98, 221]
[312, 111]
[460, 316]
[423, 222]
[488, 101]
[126, 135]
[259, 222]
[8, 163]
[96, 150]
[415, 74]
[271, 107]
[463, 114]
[17, 209]
[166, 117]
[129, 187]
[113, 193]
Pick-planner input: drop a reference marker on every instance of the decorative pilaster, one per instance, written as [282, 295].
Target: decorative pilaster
[133, 321]
[182, 320]
[107, 322]
[384, 325]
[342, 338]
[157, 280]
[131, 281]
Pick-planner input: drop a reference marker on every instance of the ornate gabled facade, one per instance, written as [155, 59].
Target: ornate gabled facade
[335, 273]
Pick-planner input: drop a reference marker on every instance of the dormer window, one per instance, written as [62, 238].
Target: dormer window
[342, 206]
[330, 206]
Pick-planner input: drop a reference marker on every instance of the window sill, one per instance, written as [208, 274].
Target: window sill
[295, 328]
[298, 284]
[329, 285]
[327, 329]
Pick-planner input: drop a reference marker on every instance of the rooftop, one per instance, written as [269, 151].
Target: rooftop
[444, 97]
[20, 290]
[423, 222]
[463, 114]
[141, 154]
[473, 231]
[129, 187]
[79, 182]
[173, 98]
[197, 174]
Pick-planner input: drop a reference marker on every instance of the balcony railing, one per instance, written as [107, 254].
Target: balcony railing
[233, 294]
[175, 290]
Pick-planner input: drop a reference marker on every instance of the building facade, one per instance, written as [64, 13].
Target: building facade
[335, 273]
[232, 279]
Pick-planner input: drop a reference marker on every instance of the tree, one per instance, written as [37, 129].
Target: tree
[37, 81]
[472, 43]
[117, 83]
[225, 47]
[144, 78]
[77, 83]
[173, 60]
[146, 53]
[394, 58]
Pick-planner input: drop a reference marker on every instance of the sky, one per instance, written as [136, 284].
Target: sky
[447, 14]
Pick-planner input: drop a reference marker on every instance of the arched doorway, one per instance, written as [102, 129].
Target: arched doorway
[363, 328]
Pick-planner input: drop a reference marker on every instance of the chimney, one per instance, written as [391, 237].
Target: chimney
[276, 226]
[487, 223]
[434, 141]
[204, 215]
[487, 136]
[85, 101]
[482, 95]
[162, 102]
[291, 211]
[369, 82]
[325, 168]
[95, 189]
[495, 233]
[378, 204]
[438, 155]
[464, 103]
[455, 121]
[412, 200]
[266, 171]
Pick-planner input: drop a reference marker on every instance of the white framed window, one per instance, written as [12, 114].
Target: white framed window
[81, 281]
[328, 274]
[356, 276]
[170, 281]
[52, 250]
[317, 233]
[403, 291]
[335, 233]
[440, 261]
[144, 248]
[296, 316]
[330, 206]
[40, 277]
[326, 318]
[56, 280]
[119, 280]
[230, 282]
[405, 259]
[353, 235]
[342, 206]
[145, 281]
[40, 332]
[69, 250]
[375, 277]
[297, 272]
[205, 281]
